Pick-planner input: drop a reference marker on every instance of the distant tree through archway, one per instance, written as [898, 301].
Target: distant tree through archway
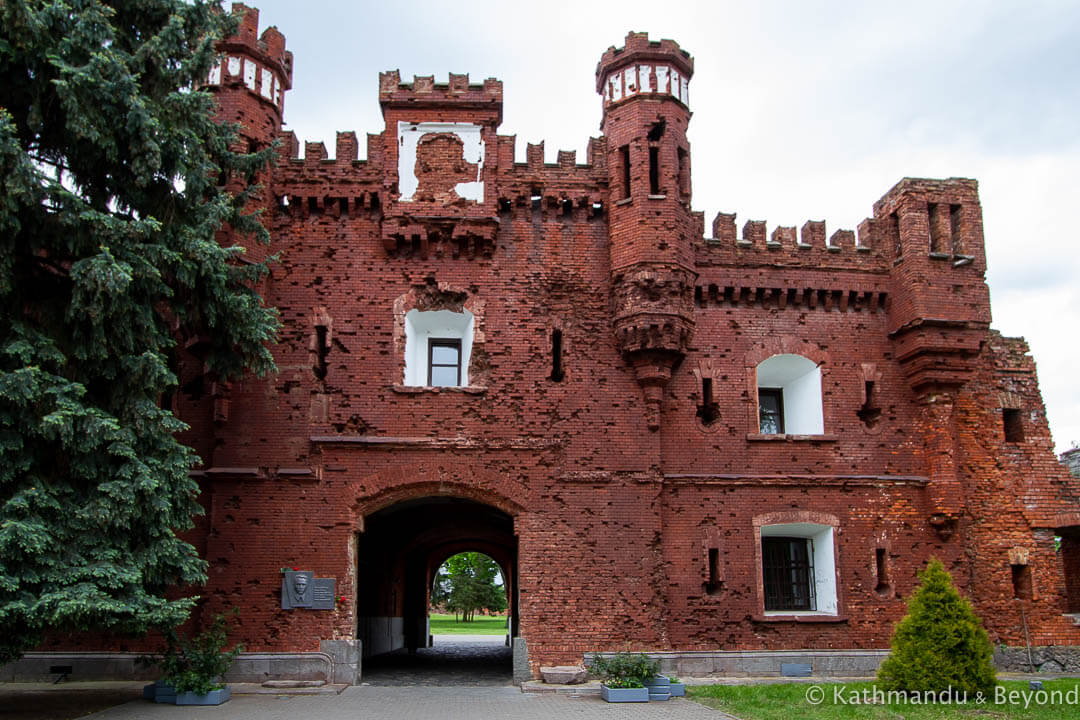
[467, 582]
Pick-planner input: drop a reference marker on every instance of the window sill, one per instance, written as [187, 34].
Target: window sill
[781, 437]
[421, 389]
[807, 617]
[624, 201]
[657, 197]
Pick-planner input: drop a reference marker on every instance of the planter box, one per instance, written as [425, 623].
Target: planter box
[678, 689]
[159, 692]
[659, 687]
[639, 694]
[214, 697]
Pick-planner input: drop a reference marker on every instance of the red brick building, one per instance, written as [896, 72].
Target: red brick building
[712, 443]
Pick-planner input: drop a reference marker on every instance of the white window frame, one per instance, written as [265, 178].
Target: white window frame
[423, 326]
[824, 563]
[799, 380]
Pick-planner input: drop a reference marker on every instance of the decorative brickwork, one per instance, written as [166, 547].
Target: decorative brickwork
[624, 506]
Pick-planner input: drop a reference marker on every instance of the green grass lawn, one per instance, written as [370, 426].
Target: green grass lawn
[792, 700]
[480, 625]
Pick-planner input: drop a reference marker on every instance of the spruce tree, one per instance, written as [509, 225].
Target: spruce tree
[940, 645]
[110, 163]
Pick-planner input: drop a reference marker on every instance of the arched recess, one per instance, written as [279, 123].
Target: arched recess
[415, 520]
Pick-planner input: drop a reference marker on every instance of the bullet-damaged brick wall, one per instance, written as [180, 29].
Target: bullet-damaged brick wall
[623, 536]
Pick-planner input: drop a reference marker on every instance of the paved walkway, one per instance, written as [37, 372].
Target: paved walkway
[455, 660]
[415, 703]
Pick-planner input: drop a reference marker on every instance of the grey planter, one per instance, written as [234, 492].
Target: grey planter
[214, 697]
[159, 692]
[678, 689]
[659, 687]
[624, 695]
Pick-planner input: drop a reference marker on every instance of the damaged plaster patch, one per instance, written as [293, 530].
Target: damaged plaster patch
[472, 153]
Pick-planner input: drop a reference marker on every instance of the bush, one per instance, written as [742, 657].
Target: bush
[940, 646]
[624, 669]
[197, 664]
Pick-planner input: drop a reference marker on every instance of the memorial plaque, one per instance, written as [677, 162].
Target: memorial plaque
[322, 594]
[297, 588]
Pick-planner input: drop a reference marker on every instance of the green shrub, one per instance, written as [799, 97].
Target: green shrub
[197, 664]
[940, 645]
[624, 669]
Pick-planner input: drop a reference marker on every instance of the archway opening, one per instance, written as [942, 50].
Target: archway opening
[399, 554]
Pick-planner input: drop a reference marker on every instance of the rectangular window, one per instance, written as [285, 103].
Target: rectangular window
[788, 573]
[771, 410]
[1014, 425]
[444, 362]
[624, 155]
[654, 171]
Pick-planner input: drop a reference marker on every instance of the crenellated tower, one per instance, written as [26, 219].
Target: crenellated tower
[645, 91]
[939, 312]
[250, 84]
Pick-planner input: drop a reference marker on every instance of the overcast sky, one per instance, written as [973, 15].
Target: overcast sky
[802, 110]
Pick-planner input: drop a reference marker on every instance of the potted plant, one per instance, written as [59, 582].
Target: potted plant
[193, 668]
[623, 676]
[678, 687]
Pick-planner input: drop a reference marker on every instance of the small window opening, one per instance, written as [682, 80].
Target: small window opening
[771, 411]
[892, 229]
[504, 205]
[322, 349]
[557, 373]
[881, 558]
[712, 585]
[374, 201]
[313, 205]
[1021, 582]
[1014, 425]
[624, 155]
[444, 362]
[654, 171]
[567, 206]
[343, 205]
[1069, 552]
[937, 235]
[534, 200]
[956, 224]
[684, 172]
[869, 413]
[709, 409]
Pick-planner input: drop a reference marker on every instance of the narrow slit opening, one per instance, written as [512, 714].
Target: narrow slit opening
[557, 373]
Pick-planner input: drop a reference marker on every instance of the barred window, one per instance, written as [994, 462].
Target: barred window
[788, 573]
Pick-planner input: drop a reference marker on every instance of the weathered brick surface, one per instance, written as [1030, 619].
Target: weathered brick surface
[613, 483]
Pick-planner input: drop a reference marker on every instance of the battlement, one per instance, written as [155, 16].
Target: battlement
[644, 66]
[424, 91]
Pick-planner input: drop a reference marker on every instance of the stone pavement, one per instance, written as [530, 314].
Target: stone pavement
[469, 660]
[416, 703]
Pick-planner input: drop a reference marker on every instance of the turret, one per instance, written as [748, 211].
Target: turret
[645, 91]
[251, 80]
[250, 84]
[939, 313]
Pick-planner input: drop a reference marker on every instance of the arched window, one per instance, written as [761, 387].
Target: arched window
[789, 396]
[438, 345]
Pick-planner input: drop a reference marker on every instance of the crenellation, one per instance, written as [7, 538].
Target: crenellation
[813, 234]
[347, 148]
[753, 235]
[314, 153]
